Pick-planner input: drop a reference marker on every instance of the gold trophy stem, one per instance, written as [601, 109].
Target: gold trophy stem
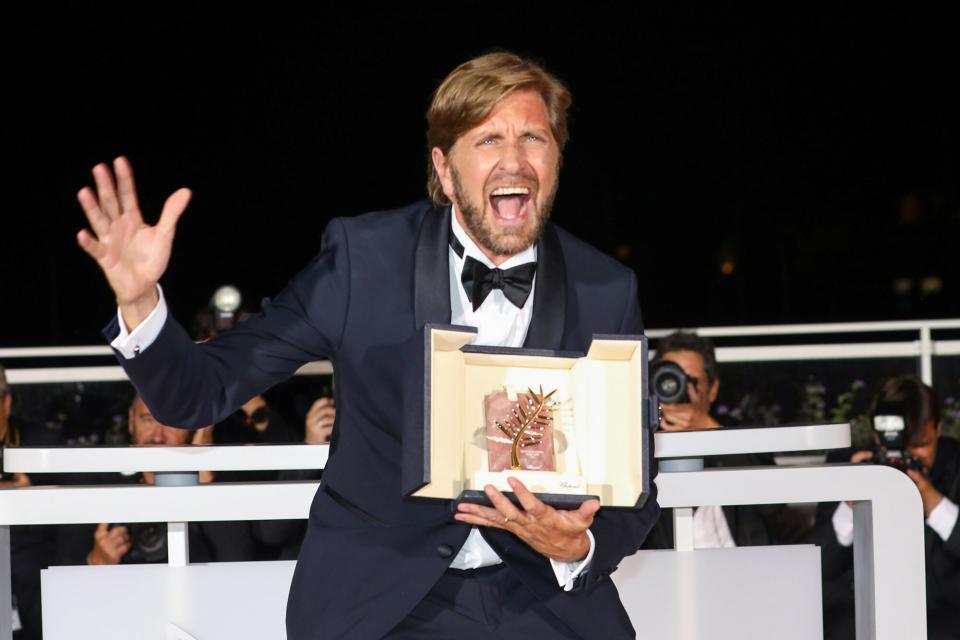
[521, 422]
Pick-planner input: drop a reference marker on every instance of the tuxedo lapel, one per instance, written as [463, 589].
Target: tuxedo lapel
[550, 294]
[432, 282]
[431, 275]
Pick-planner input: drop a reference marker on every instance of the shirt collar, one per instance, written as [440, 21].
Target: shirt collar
[470, 248]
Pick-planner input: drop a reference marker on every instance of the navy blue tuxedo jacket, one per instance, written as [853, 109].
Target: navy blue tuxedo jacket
[370, 554]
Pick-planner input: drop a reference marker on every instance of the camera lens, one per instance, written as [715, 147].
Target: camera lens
[668, 386]
[149, 542]
[669, 382]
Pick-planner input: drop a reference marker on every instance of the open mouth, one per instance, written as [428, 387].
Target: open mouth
[510, 203]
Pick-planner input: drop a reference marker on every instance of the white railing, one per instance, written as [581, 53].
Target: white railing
[918, 342]
[52, 375]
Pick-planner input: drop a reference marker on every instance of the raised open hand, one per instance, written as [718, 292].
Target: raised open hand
[132, 254]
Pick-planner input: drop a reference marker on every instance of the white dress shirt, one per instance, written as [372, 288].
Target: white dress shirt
[498, 323]
[710, 529]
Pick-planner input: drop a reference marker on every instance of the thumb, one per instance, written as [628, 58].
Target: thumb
[102, 529]
[588, 509]
[173, 208]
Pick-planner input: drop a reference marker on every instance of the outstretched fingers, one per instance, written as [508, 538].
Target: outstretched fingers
[95, 216]
[106, 191]
[126, 187]
[89, 244]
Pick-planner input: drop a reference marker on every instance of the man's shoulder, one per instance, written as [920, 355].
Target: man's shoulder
[949, 447]
[390, 222]
[588, 258]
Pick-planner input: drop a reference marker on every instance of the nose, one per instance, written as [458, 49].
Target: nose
[512, 156]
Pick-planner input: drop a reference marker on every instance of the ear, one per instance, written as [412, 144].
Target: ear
[714, 390]
[7, 402]
[130, 420]
[938, 427]
[441, 164]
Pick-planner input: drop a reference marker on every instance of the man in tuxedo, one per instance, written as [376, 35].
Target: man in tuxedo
[375, 563]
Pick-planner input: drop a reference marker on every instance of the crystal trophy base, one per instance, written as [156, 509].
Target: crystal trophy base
[535, 481]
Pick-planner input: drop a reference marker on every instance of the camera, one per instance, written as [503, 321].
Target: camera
[890, 428]
[669, 383]
[148, 542]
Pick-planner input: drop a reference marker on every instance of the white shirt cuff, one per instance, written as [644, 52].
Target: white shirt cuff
[943, 518]
[568, 572]
[131, 343]
[843, 524]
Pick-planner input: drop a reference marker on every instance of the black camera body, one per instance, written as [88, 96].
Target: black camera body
[669, 383]
[890, 428]
[148, 542]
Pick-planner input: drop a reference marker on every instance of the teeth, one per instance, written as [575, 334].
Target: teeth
[511, 191]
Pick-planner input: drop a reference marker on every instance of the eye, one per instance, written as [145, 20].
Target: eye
[488, 141]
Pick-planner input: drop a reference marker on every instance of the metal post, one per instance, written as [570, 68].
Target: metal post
[683, 528]
[6, 593]
[178, 544]
[926, 356]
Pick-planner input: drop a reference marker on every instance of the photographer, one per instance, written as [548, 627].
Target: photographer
[686, 397]
[932, 461]
[696, 358]
[146, 542]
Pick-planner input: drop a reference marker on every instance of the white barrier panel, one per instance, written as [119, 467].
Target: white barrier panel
[888, 544]
[681, 596]
[717, 594]
[218, 601]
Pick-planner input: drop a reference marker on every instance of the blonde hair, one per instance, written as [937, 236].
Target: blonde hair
[467, 96]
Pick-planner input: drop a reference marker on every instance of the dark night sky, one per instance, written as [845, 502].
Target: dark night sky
[815, 155]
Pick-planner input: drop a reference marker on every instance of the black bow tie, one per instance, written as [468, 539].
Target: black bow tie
[479, 280]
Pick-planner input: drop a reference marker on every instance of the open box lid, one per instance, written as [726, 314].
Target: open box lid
[604, 418]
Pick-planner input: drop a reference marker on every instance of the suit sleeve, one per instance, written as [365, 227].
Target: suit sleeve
[943, 556]
[195, 385]
[620, 532]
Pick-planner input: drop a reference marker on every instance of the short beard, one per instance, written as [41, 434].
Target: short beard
[508, 243]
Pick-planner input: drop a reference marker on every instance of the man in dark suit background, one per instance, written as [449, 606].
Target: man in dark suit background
[374, 563]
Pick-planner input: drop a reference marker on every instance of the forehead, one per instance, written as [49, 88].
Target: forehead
[690, 361]
[139, 407]
[927, 436]
[520, 108]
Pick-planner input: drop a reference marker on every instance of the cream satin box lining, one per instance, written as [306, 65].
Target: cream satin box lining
[600, 417]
